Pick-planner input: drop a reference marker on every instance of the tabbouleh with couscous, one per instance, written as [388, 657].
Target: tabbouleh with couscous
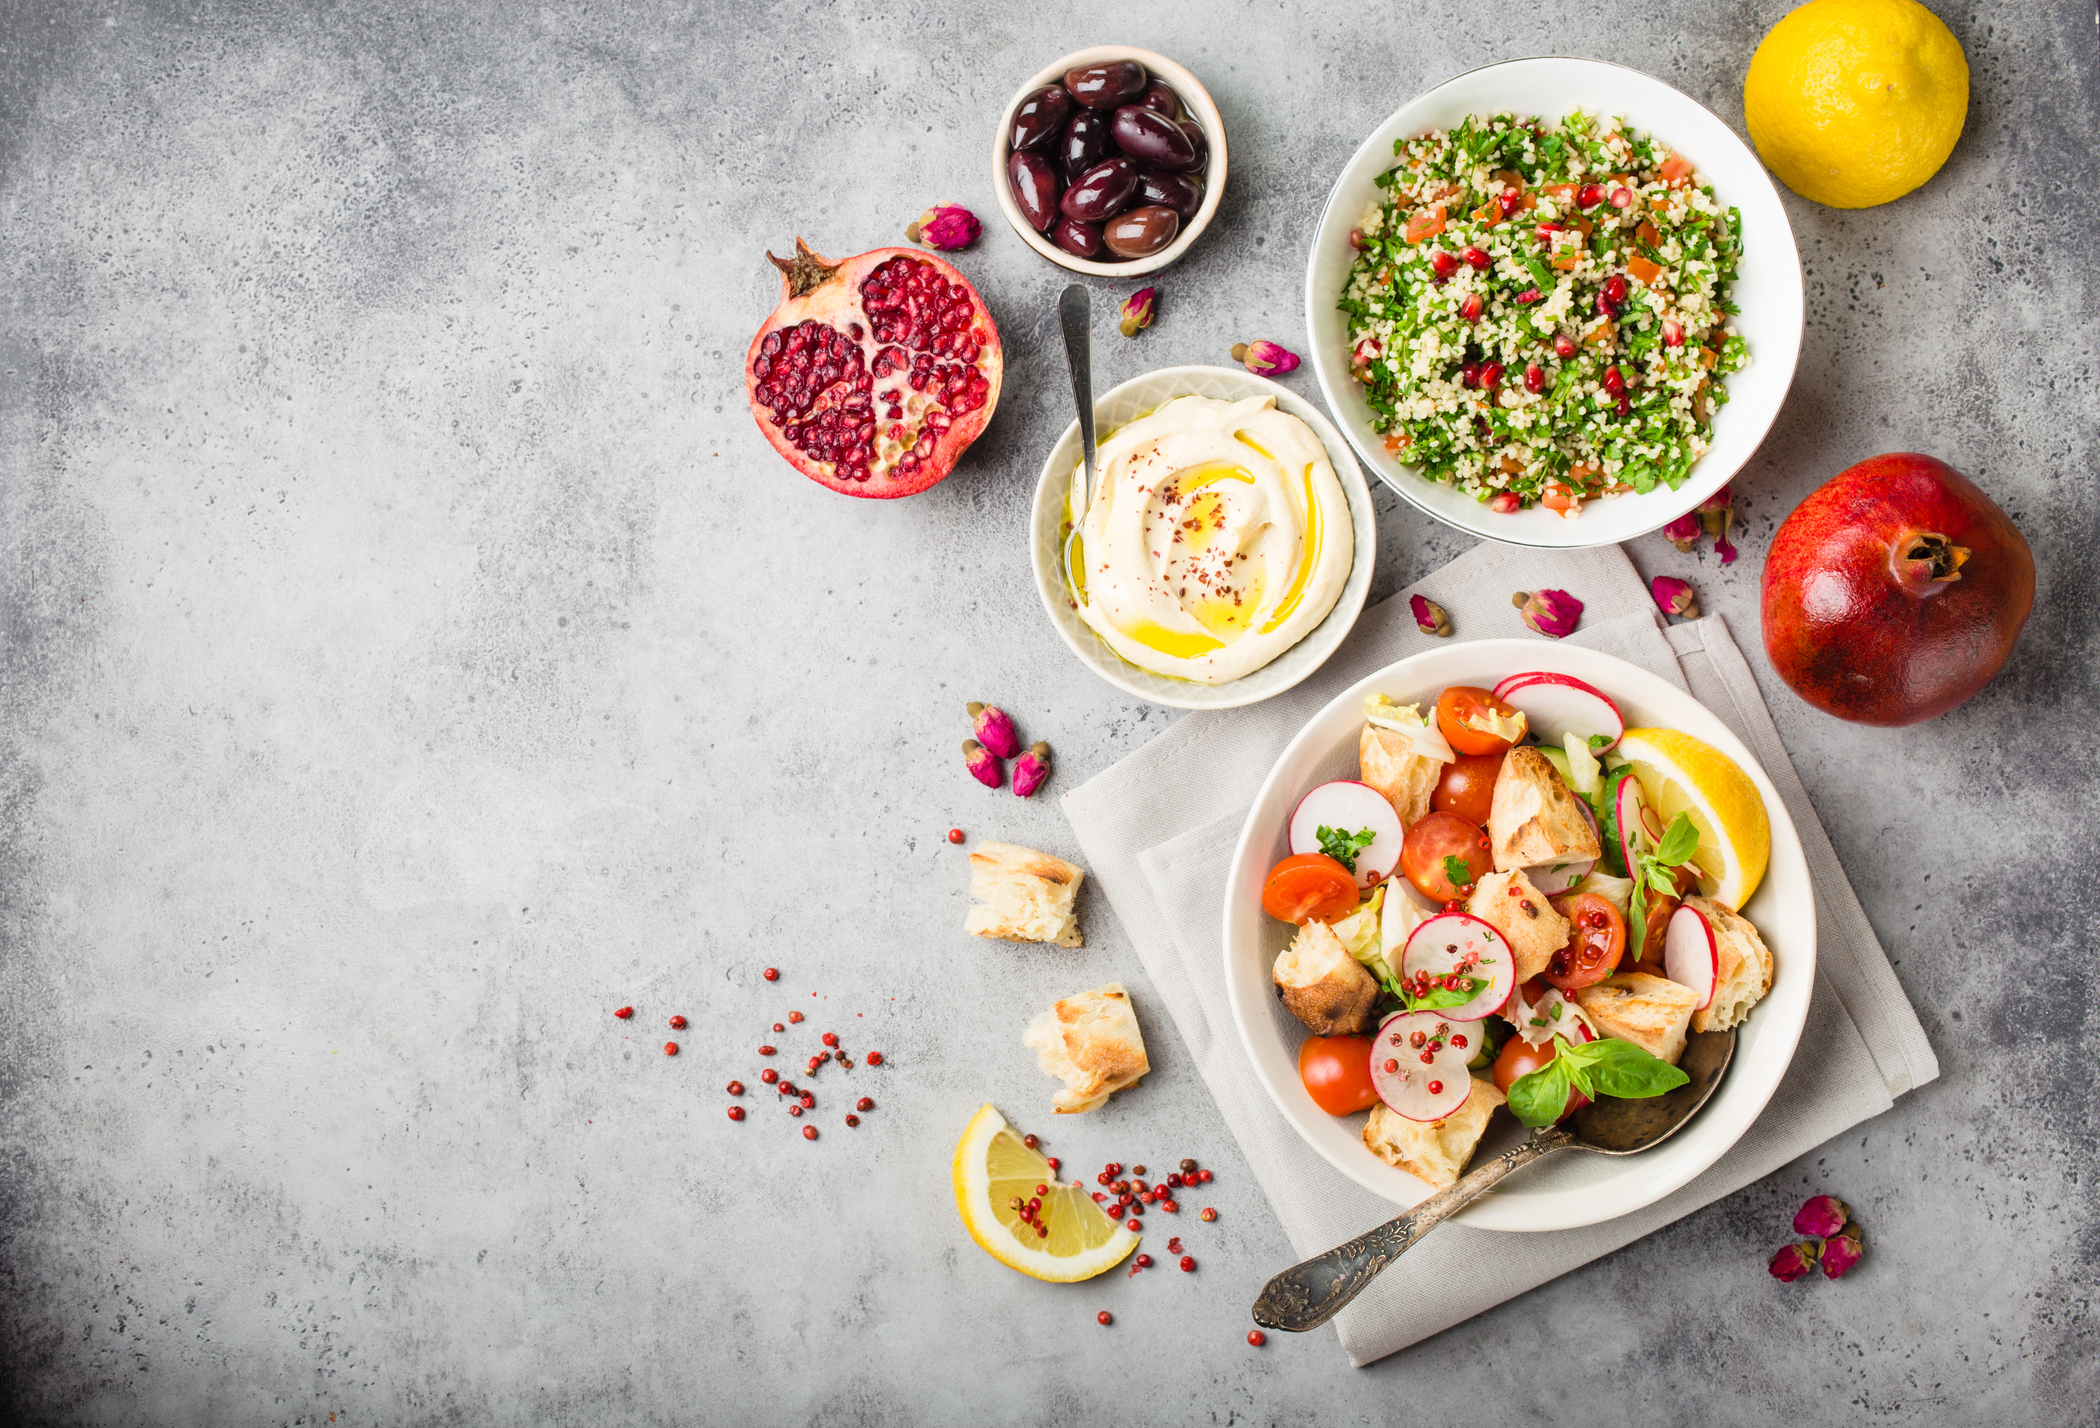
[1539, 311]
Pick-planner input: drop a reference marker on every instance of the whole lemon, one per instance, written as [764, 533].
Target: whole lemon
[1856, 102]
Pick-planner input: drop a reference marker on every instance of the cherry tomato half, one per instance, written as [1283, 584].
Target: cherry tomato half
[1648, 951]
[1336, 1071]
[1519, 1057]
[1309, 887]
[1596, 942]
[1435, 837]
[1468, 787]
[1459, 708]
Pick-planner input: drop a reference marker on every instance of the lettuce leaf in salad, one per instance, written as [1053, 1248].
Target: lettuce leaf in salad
[1423, 737]
[1585, 774]
[1552, 1014]
[1616, 891]
[1359, 933]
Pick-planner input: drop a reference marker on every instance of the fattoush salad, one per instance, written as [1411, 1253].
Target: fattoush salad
[1521, 901]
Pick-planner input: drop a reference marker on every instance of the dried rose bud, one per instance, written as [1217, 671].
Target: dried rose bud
[1553, 613]
[1719, 500]
[1724, 547]
[983, 767]
[1265, 358]
[1842, 1251]
[1822, 1217]
[1137, 311]
[1430, 618]
[1032, 768]
[945, 226]
[1684, 531]
[1793, 1261]
[1676, 598]
[994, 728]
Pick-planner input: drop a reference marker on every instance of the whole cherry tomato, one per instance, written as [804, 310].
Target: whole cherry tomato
[1435, 837]
[1468, 787]
[1462, 706]
[1596, 941]
[1336, 1071]
[1309, 887]
[1519, 1057]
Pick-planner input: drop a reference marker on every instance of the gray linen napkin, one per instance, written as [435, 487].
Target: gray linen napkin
[1158, 829]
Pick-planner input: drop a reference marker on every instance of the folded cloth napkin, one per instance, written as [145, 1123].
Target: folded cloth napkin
[1158, 830]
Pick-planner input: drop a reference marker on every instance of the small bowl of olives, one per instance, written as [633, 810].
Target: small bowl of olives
[1110, 161]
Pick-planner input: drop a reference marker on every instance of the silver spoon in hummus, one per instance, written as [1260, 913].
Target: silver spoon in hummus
[1075, 316]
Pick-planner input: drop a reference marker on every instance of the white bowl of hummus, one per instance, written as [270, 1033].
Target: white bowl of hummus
[1228, 547]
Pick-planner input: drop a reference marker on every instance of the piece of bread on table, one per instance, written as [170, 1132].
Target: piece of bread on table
[1434, 1151]
[1090, 1042]
[1745, 973]
[1510, 904]
[1653, 1013]
[1323, 986]
[1534, 818]
[1389, 763]
[1023, 895]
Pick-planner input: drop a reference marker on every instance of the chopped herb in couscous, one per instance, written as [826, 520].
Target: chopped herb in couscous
[1539, 311]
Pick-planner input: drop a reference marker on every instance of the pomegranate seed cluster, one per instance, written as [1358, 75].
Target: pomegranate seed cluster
[1540, 310]
[876, 399]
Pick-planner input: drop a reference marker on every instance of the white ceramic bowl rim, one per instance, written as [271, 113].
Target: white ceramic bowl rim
[1773, 318]
[1142, 394]
[1194, 97]
[1571, 1190]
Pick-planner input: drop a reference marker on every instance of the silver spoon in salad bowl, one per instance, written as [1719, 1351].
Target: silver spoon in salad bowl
[1307, 1295]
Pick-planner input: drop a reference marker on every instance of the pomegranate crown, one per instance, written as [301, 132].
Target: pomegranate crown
[805, 272]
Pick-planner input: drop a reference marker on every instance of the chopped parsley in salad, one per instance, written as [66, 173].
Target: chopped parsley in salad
[1539, 311]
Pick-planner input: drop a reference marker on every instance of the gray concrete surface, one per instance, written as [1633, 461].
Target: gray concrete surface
[411, 653]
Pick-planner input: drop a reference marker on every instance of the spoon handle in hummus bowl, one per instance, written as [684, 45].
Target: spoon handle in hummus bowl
[1307, 1295]
[1075, 316]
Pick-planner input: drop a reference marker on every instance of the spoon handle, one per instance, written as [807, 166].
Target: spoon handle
[1074, 315]
[1307, 1295]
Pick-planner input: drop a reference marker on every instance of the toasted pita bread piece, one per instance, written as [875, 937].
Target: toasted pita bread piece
[1091, 1042]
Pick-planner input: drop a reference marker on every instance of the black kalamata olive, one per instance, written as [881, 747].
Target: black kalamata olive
[1041, 118]
[1196, 138]
[1081, 240]
[1141, 232]
[1102, 191]
[1151, 138]
[1158, 96]
[1176, 191]
[1035, 188]
[1086, 142]
[1104, 86]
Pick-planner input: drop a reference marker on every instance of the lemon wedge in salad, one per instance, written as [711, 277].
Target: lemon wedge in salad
[997, 1177]
[1681, 774]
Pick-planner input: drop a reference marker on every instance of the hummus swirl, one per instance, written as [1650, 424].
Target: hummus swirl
[1218, 537]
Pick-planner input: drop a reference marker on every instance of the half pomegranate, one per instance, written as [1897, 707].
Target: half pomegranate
[874, 374]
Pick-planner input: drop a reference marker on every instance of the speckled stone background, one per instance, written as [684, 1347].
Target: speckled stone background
[411, 652]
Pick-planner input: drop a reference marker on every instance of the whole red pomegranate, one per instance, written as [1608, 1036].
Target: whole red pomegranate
[1895, 591]
[873, 374]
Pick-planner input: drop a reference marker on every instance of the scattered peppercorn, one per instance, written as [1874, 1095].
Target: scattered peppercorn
[772, 974]
[678, 1023]
[1137, 1170]
[778, 1027]
[670, 1048]
[1053, 1162]
[1257, 1338]
[794, 1016]
[769, 1075]
[1188, 1264]
[1204, 1176]
[853, 1120]
[1030, 1140]
[1104, 1317]
[736, 1088]
[874, 1058]
[867, 1104]
[1187, 1166]
[1209, 1213]
[1171, 1208]
[1144, 1261]
[624, 1012]
[1134, 1225]
[765, 1050]
[831, 1038]
[955, 835]
[736, 1113]
[809, 1132]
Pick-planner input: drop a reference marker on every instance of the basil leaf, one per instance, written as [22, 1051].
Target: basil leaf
[1441, 997]
[1538, 1097]
[1597, 741]
[1344, 846]
[1619, 1068]
[1679, 843]
[1456, 870]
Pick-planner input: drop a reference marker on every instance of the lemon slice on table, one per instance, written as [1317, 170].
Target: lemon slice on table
[1681, 774]
[996, 1174]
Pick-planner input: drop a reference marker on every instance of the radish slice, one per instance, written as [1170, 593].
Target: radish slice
[1551, 878]
[1633, 817]
[1460, 942]
[1423, 1090]
[1557, 705]
[1691, 957]
[1351, 807]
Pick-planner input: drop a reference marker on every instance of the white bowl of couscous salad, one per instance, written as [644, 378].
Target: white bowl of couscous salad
[1554, 302]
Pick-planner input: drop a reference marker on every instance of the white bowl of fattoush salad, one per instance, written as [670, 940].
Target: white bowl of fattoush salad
[1555, 302]
[1493, 882]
